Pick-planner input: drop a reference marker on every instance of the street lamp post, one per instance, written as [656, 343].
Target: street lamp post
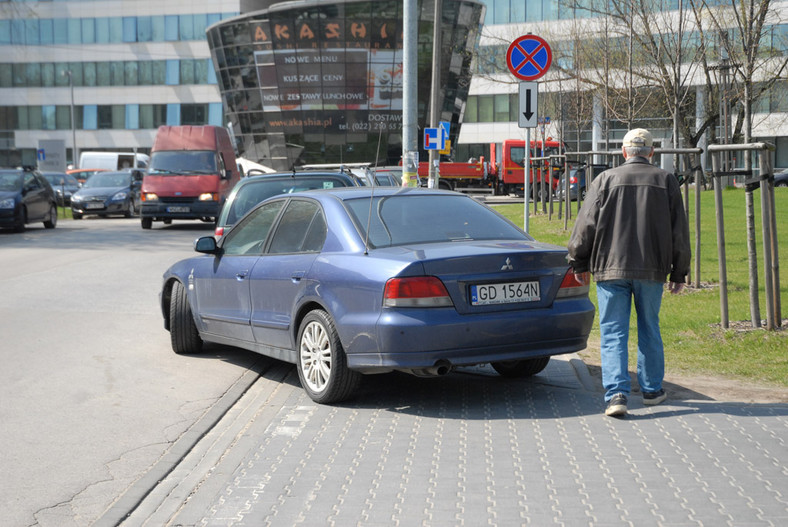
[74, 157]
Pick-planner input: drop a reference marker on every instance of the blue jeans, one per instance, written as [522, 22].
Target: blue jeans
[615, 305]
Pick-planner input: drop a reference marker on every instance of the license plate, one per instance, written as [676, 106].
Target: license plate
[94, 205]
[507, 293]
[178, 209]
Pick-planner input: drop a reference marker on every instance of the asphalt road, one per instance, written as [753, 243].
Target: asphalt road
[91, 395]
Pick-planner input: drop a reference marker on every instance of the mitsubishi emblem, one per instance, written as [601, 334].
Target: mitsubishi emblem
[507, 266]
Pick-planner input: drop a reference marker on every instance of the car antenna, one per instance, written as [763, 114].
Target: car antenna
[371, 195]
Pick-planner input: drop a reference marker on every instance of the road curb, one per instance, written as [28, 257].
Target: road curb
[136, 493]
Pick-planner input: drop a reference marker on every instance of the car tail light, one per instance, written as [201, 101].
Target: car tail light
[570, 286]
[416, 291]
[219, 232]
[573, 179]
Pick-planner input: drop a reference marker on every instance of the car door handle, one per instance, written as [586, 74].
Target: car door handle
[297, 276]
[241, 276]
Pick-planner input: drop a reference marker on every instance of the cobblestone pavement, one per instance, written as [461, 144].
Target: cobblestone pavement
[476, 449]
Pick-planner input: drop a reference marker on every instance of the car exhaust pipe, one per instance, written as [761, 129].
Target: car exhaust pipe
[440, 368]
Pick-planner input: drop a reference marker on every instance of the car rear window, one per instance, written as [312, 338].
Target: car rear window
[413, 219]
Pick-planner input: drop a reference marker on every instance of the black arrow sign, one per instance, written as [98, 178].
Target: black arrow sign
[528, 113]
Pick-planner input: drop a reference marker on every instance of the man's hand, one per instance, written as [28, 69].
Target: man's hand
[675, 287]
[583, 278]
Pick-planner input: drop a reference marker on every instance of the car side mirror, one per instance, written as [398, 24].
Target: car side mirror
[206, 245]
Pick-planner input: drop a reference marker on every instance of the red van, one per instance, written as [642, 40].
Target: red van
[192, 170]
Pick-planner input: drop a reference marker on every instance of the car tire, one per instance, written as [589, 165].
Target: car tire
[76, 215]
[184, 336]
[146, 223]
[520, 368]
[130, 211]
[51, 223]
[322, 364]
[782, 184]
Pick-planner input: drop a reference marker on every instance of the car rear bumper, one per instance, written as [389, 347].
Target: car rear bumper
[419, 339]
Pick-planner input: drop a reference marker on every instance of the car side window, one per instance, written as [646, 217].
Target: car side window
[31, 183]
[302, 229]
[249, 237]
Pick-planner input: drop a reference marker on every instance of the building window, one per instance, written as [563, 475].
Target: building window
[129, 29]
[102, 74]
[48, 121]
[171, 27]
[88, 30]
[74, 30]
[173, 114]
[90, 117]
[186, 72]
[47, 31]
[117, 73]
[471, 114]
[104, 113]
[130, 69]
[35, 116]
[186, 27]
[173, 72]
[63, 117]
[194, 114]
[152, 115]
[132, 116]
[5, 32]
[144, 29]
[102, 30]
[215, 115]
[486, 113]
[89, 75]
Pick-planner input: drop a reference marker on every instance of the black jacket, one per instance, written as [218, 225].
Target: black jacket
[632, 225]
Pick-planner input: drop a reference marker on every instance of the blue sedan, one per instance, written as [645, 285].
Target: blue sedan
[368, 280]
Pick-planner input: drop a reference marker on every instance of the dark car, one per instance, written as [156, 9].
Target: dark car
[258, 187]
[64, 185]
[106, 193]
[369, 280]
[781, 178]
[26, 197]
[577, 180]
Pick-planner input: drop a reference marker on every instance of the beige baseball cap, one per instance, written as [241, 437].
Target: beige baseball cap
[638, 137]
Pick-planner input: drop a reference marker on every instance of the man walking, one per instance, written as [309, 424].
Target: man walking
[631, 234]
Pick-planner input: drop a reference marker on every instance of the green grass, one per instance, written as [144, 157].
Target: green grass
[695, 342]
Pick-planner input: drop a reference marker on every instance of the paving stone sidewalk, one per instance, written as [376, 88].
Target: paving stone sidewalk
[476, 449]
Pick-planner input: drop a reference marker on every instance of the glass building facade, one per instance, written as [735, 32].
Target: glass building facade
[317, 82]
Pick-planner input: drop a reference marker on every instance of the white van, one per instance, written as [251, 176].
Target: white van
[113, 160]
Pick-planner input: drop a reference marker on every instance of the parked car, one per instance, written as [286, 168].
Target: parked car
[356, 281]
[259, 186]
[26, 197]
[781, 178]
[388, 176]
[108, 193]
[577, 180]
[64, 186]
[82, 174]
